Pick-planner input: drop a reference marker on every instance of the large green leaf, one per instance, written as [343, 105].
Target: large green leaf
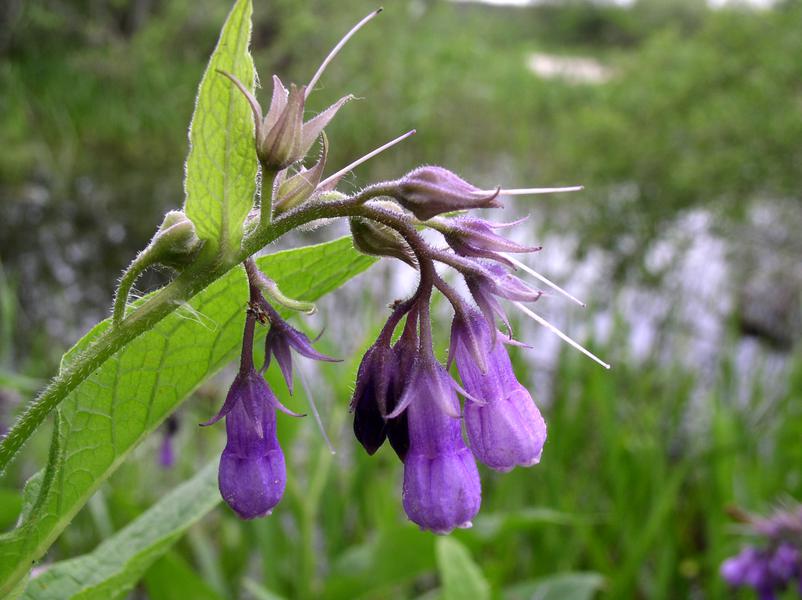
[111, 411]
[221, 165]
[461, 577]
[118, 563]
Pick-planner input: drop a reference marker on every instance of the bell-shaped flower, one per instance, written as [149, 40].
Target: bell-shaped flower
[282, 137]
[252, 474]
[429, 191]
[504, 427]
[442, 490]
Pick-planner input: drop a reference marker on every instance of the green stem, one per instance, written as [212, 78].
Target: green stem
[187, 284]
[132, 273]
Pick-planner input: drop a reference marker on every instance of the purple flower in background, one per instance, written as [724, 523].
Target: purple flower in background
[772, 568]
[430, 191]
[167, 449]
[504, 427]
[442, 490]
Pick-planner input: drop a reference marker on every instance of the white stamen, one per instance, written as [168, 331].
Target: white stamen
[530, 191]
[366, 158]
[313, 408]
[336, 49]
[560, 334]
[542, 278]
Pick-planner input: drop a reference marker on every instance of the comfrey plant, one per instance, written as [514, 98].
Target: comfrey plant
[247, 185]
[773, 562]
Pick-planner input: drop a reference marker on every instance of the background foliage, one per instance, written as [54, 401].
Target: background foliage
[700, 116]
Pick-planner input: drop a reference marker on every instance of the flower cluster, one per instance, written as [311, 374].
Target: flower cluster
[403, 393]
[769, 568]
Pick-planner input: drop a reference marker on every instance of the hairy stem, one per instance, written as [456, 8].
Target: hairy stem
[156, 307]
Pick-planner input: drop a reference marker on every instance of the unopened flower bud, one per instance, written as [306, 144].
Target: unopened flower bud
[430, 191]
[377, 239]
[175, 242]
[293, 191]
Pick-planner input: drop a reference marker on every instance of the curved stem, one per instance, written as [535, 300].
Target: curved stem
[131, 274]
[206, 269]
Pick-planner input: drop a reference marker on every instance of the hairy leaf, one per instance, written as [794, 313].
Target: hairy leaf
[221, 166]
[112, 410]
[118, 563]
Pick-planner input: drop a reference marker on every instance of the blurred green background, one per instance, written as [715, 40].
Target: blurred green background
[683, 122]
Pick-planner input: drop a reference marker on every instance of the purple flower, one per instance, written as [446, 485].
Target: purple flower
[370, 399]
[280, 338]
[503, 425]
[442, 490]
[380, 383]
[430, 191]
[469, 236]
[252, 474]
[167, 451]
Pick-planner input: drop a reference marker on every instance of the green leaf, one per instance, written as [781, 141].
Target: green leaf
[129, 395]
[461, 577]
[171, 577]
[221, 166]
[118, 563]
[565, 586]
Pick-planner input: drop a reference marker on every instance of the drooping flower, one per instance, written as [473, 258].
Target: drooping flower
[442, 490]
[504, 427]
[252, 474]
[381, 380]
[429, 191]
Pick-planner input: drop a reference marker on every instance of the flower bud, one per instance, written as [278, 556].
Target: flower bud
[291, 192]
[175, 242]
[430, 191]
[377, 239]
